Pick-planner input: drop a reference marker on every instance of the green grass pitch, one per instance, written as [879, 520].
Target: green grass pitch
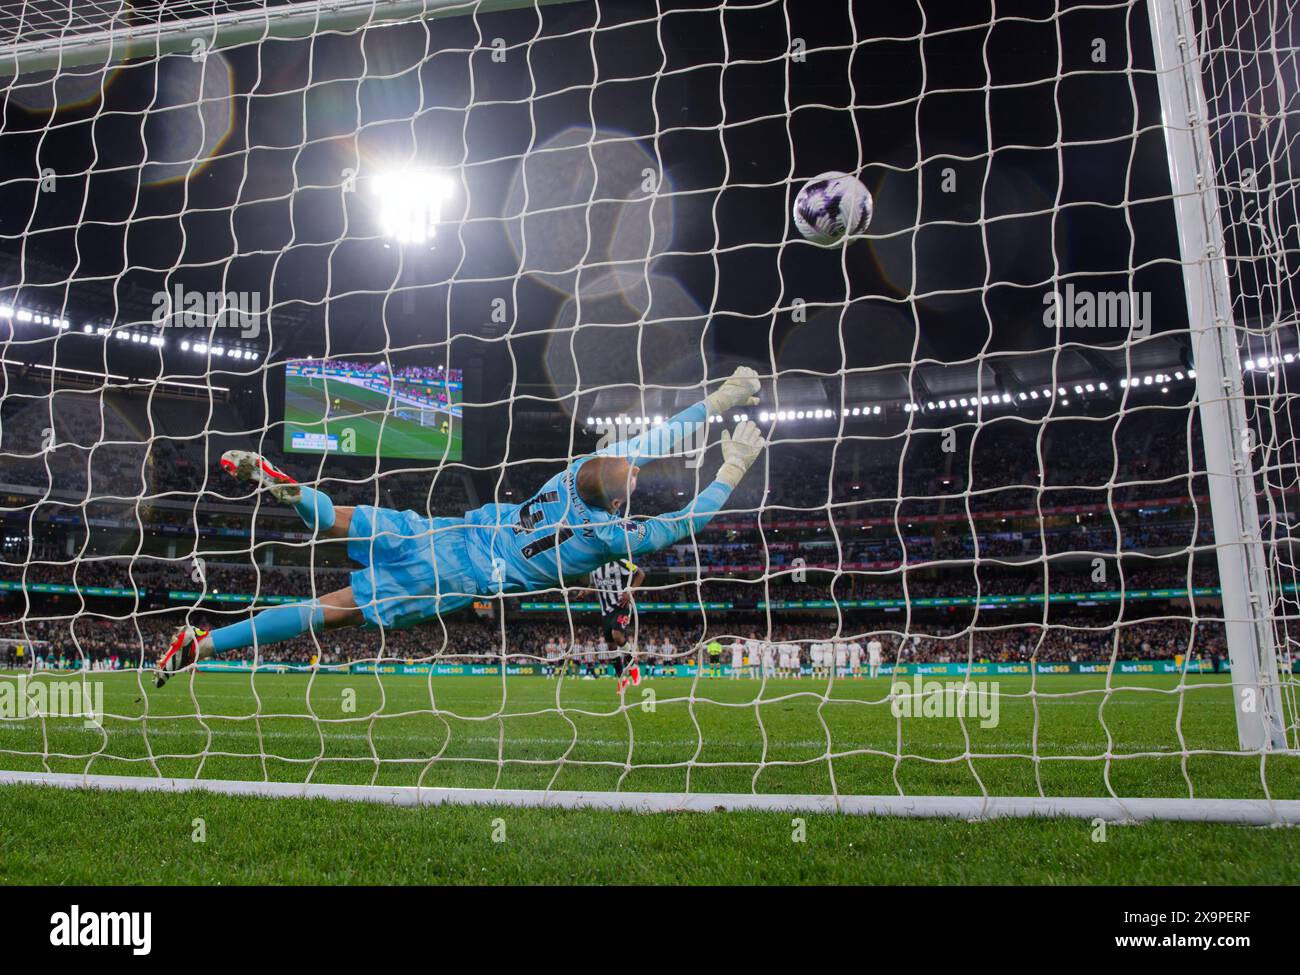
[711, 735]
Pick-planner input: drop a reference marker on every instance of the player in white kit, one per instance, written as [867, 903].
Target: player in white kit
[828, 660]
[752, 650]
[841, 659]
[737, 658]
[874, 653]
[855, 660]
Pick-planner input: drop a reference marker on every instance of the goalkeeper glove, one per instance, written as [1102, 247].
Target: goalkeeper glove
[739, 451]
[740, 390]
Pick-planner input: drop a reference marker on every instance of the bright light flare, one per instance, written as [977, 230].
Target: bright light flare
[410, 203]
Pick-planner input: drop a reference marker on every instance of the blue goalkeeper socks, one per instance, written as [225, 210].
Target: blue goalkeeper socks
[271, 626]
[316, 509]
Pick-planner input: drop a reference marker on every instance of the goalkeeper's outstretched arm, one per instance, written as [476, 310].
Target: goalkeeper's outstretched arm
[640, 536]
[740, 389]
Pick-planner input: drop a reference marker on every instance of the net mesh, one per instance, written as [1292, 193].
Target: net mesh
[557, 224]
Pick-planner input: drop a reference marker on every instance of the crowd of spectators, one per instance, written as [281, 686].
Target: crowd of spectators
[155, 578]
[114, 644]
[848, 519]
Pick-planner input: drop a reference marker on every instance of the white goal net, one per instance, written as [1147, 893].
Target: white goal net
[1020, 541]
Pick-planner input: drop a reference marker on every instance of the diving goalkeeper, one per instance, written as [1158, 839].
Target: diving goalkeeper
[415, 568]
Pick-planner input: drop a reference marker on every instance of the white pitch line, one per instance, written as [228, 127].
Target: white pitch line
[640, 742]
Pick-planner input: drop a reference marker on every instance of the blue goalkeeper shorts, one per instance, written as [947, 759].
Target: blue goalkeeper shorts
[415, 567]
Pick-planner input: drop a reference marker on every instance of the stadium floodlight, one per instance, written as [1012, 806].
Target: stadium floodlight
[410, 203]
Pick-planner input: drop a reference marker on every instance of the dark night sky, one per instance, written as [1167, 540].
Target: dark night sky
[1060, 176]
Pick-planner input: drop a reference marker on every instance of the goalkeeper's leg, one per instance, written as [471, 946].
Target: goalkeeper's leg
[274, 625]
[626, 674]
[313, 506]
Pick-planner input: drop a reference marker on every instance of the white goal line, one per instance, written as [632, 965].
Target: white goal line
[1244, 812]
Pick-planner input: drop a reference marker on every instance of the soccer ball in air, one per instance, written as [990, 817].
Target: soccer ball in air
[832, 206]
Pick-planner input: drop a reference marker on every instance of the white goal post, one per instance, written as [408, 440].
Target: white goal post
[1204, 66]
[1247, 603]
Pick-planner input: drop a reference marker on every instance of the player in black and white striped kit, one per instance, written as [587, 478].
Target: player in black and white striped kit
[613, 584]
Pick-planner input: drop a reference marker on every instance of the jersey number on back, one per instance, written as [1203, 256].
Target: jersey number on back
[530, 516]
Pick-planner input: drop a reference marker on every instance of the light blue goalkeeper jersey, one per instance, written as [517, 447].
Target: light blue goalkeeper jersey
[555, 535]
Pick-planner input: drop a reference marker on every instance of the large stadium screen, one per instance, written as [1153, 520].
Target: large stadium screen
[371, 409]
